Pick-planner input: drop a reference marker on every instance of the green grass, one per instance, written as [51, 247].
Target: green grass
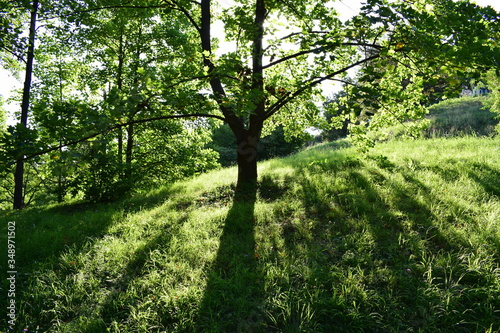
[465, 116]
[461, 116]
[405, 238]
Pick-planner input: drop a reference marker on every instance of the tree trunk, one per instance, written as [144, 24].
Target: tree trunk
[60, 182]
[248, 142]
[18, 185]
[119, 84]
[120, 148]
[19, 173]
[129, 152]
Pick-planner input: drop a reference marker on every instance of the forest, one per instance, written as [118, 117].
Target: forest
[250, 166]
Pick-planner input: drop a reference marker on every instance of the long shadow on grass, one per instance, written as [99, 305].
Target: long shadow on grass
[117, 309]
[487, 177]
[43, 235]
[355, 234]
[233, 295]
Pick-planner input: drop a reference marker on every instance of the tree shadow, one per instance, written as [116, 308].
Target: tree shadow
[487, 177]
[270, 189]
[233, 299]
[72, 224]
[113, 308]
[45, 235]
[395, 230]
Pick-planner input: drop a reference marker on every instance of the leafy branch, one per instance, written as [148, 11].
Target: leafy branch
[95, 9]
[118, 126]
[175, 5]
[317, 50]
[311, 84]
[13, 53]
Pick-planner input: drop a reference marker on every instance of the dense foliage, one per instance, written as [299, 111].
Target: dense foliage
[106, 71]
[493, 79]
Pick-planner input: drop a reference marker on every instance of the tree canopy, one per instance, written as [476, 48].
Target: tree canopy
[108, 70]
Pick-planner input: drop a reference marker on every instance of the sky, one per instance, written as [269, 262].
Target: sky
[346, 9]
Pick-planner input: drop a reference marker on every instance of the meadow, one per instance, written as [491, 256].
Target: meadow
[403, 238]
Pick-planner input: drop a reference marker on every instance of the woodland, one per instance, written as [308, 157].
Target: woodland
[120, 96]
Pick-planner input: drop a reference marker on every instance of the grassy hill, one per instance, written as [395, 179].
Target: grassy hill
[465, 116]
[461, 116]
[404, 238]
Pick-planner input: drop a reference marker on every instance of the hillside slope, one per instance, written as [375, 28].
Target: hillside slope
[461, 116]
[465, 116]
[404, 238]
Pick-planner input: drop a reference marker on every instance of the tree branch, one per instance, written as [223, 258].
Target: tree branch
[310, 84]
[375, 46]
[13, 53]
[186, 13]
[117, 126]
[215, 83]
[9, 191]
[83, 11]
[257, 55]
[301, 33]
[292, 8]
[295, 55]
[298, 33]
[341, 81]
[194, 78]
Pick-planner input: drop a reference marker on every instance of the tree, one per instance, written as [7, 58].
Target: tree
[334, 109]
[3, 115]
[166, 64]
[102, 73]
[433, 43]
[4, 180]
[493, 80]
[30, 54]
[273, 76]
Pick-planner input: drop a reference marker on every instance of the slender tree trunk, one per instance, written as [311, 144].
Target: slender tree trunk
[60, 193]
[19, 173]
[129, 151]
[60, 180]
[120, 147]
[119, 83]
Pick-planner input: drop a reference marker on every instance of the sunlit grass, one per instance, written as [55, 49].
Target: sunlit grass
[455, 117]
[403, 238]
[461, 116]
